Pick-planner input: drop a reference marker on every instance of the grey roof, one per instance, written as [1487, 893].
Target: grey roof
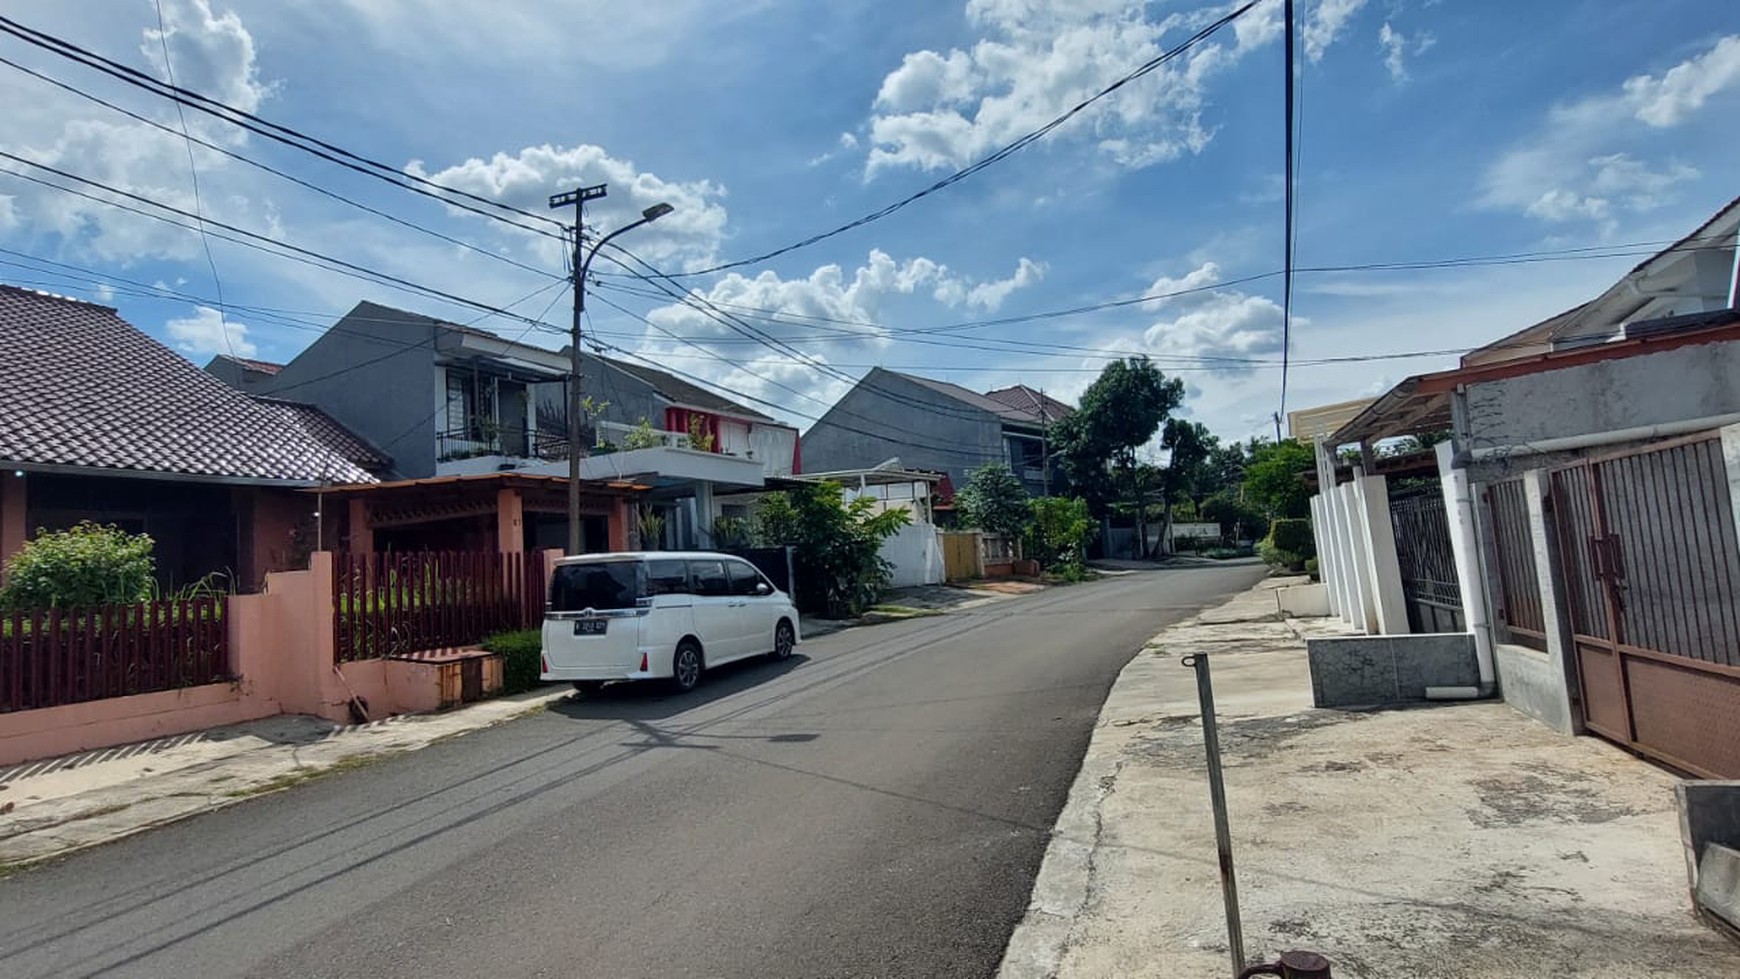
[682, 392]
[325, 429]
[85, 388]
[1042, 407]
[256, 366]
[1006, 412]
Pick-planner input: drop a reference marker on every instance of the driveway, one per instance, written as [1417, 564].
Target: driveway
[876, 806]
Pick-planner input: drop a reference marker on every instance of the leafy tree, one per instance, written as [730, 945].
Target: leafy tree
[1420, 442]
[1238, 520]
[839, 566]
[1275, 481]
[1119, 413]
[90, 564]
[994, 500]
[1190, 445]
[1289, 544]
[1059, 534]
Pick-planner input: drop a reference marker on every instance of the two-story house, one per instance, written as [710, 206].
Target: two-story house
[448, 400]
[935, 426]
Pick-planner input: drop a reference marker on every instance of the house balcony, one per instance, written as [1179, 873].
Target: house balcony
[486, 450]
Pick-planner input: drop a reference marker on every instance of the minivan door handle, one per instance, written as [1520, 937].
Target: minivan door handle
[737, 605]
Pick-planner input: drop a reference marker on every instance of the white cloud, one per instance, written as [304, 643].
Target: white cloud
[204, 335]
[526, 179]
[212, 54]
[1573, 168]
[103, 292]
[1683, 89]
[1325, 23]
[990, 295]
[848, 141]
[1038, 58]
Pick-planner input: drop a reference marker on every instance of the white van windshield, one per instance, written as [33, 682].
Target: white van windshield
[598, 585]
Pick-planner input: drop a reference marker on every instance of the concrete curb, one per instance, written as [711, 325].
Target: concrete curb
[74, 822]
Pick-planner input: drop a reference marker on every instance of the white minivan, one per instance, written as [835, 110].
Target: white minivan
[660, 615]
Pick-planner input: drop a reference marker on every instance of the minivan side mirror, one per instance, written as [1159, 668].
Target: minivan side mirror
[763, 588]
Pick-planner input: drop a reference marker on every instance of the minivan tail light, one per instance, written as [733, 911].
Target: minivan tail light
[643, 666]
[544, 661]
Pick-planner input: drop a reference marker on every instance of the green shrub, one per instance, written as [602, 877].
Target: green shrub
[1311, 569]
[522, 658]
[1225, 553]
[1294, 536]
[88, 565]
[1059, 533]
[840, 569]
[994, 501]
[1280, 560]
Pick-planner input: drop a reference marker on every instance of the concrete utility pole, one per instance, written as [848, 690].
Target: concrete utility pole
[576, 439]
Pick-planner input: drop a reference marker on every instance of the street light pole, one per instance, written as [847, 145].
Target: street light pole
[576, 440]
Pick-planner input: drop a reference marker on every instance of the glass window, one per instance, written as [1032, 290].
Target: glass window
[743, 577]
[709, 578]
[667, 578]
[598, 585]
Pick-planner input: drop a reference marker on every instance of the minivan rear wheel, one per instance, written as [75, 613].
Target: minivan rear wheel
[686, 666]
[784, 641]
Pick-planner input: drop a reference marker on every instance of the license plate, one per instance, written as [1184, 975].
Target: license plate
[591, 627]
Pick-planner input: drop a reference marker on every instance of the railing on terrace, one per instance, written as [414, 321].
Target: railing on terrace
[518, 443]
[54, 657]
[617, 434]
[397, 604]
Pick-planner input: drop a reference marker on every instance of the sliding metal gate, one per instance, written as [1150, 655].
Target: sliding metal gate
[1430, 586]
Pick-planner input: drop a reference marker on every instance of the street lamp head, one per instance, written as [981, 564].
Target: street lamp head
[657, 211]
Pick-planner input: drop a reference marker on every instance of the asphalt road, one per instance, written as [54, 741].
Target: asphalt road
[876, 806]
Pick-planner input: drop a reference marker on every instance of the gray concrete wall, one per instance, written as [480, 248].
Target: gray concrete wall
[1378, 671]
[374, 372]
[886, 415]
[1675, 385]
[1533, 685]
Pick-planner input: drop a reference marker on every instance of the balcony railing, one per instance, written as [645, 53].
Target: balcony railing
[617, 435]
[514, 443]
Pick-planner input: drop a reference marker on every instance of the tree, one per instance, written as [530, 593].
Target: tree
[839, 566]
[1059, 534]
[1189, 444]
[1238, 520]
[994, 500]
[1274, 478]
[1119, 413]
[87, 565]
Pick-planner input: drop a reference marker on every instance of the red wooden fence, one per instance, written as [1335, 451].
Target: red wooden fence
[397, 604]
[52, 657]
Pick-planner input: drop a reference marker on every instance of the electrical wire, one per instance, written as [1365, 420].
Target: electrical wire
[999, 155]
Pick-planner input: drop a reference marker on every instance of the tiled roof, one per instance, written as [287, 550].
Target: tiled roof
[325, 429]
[257, 366]
[1042, 407]
[682, 392]
[84, 388]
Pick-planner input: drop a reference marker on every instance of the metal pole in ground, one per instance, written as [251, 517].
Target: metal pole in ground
[1229, 887]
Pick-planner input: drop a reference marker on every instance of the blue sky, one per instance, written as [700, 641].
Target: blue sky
[1431, 129]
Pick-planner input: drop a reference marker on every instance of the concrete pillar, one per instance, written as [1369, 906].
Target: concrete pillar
[1386, 568]
[1555, 606]
[1364, 602]
[510, 527]
[1327, 569]
[1465, 545]
[706, 511]
[362, 533]
[621, 520]
[14, 530]
[1346, 576]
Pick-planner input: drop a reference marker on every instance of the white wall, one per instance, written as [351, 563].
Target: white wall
[916, 553]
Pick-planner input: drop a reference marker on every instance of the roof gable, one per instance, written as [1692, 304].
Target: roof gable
[85, 388]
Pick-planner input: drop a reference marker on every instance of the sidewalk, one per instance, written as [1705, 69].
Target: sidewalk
[52, 807]
[1456, 841]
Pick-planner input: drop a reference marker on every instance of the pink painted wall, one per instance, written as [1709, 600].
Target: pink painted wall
[32, 734]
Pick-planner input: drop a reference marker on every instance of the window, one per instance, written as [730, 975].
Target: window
[667, 578]
[709, 578]
[597, 585]
[744, 578]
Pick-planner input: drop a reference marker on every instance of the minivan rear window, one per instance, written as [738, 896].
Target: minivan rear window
[598, 585]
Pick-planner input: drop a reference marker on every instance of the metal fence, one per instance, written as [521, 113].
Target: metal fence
[396, 604]
[1519, 584]
[1430, 585]
[54, 657]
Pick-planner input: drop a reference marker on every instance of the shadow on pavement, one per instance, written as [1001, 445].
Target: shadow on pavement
[653, 701]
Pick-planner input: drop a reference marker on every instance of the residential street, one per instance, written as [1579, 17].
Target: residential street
[877, 806]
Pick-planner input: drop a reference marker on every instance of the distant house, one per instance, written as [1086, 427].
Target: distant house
[244, 375]
[445, 400]
[100, 422]
[934, 425]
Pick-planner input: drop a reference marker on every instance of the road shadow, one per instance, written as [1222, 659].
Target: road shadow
[653, 700]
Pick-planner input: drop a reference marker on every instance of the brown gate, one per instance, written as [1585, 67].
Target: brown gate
[1652, 569]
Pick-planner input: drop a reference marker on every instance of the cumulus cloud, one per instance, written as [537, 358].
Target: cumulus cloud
[690, 234]
[1397, 48]
[211, 53]
[206, 334]
[1575, 168]
[1325, 23]
[1037, 58]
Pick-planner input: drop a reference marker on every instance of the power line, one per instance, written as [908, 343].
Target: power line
[279, 133]
[1287, 234]
[1001, 154]
[267, 168]
[343, 266]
